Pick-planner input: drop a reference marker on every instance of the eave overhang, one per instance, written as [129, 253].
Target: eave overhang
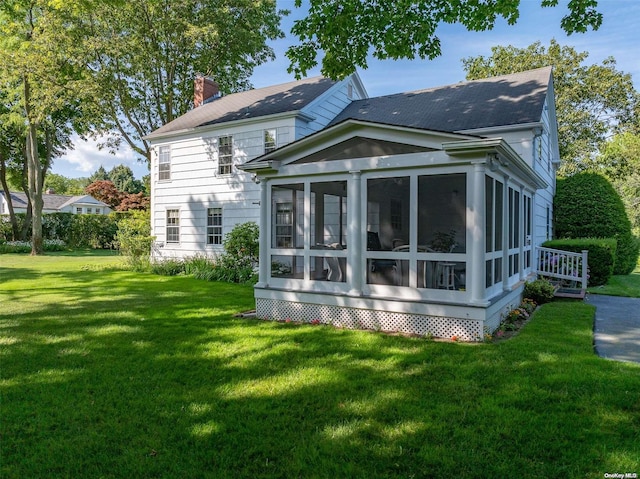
[318, 140]
[499, 155]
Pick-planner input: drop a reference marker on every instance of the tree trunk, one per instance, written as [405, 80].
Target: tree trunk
[15, 231]
[34, 174]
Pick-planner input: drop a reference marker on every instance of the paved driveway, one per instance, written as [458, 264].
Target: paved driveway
[617, 327]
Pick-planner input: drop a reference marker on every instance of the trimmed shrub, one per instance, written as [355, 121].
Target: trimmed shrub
[93, 231]
[602, 253]
[58, 226]
[587, 206]
[539, 291]
[77, 231]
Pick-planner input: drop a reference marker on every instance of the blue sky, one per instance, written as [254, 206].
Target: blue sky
[618, 37]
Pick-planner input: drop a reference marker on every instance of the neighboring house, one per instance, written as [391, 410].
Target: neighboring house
[197, 193]
[56, 204]
[417, 212]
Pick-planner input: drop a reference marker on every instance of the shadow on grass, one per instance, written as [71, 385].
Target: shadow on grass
[116, 374]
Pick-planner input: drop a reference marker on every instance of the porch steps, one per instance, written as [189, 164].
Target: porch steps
[570, 293]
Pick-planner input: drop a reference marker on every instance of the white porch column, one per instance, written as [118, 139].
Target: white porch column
[522, 236]
[505, 234]
[477, 265]
[355, 263]
[263, 253]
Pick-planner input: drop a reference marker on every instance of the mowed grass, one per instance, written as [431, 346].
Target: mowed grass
[107, 373]
[621, 285]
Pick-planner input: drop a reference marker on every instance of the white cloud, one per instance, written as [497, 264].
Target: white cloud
[86, 158]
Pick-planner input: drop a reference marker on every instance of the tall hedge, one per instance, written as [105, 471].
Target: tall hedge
[587, 206]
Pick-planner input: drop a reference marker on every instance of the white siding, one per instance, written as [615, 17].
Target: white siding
[195, 184]
[326, 107]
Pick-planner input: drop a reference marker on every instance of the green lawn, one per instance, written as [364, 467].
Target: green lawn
[619, 285]
[107, 373]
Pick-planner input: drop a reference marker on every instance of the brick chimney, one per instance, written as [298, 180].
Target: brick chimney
[204, 88]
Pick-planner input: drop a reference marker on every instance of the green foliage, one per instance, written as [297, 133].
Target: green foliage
[94, 231]
[25, 246]
[346, 33]
[58, 226]
[122, 177]
[238, 263]
[539, 291]
[601, 258]
[620, 162]
[591, 101]
[145, 73]
[134, 239]
[200, 266]
[77, 231]
[168, 267]
[587, 206]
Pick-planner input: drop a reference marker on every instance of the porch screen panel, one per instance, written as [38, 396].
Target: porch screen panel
[329, 214]
[287, 216]
[494, 205]
[528, 228]
[442, 213]
[388, 229]
[514, 231]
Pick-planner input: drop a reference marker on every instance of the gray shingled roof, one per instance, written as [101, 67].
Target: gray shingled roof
[53, 201]
[286, 97]
[498, 101]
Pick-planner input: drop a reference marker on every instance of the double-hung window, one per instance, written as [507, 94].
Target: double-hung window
[164, 163]
[173, 226]
[270, 142]
[214, 226]
[225, 154]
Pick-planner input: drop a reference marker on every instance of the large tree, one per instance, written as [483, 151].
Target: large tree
[592, 101]
[619, 161]
[122, 177]
[40, 75]
[347, 31]
[145, 55]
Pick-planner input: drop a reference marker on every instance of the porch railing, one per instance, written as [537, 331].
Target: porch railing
[567, 270]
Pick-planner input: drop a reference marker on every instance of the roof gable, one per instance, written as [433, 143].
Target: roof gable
[361, 147]
[283, 98]
[493, 102]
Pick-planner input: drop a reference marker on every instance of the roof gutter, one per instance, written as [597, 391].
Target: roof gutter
[499, 154]
[229, 124]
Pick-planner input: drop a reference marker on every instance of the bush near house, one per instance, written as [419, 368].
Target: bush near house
[77, 231]
[237, 264]
[134, 239]
[602, 254]
[587, 206]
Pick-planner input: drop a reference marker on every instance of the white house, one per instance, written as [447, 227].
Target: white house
[52, 203]
[197, 193]
[416, 212]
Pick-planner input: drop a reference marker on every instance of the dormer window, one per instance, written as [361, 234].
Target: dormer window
[270, 143]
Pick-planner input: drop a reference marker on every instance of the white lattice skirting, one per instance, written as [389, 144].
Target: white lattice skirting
[354, 318]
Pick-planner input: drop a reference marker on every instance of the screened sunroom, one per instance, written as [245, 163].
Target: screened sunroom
[433, 236]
